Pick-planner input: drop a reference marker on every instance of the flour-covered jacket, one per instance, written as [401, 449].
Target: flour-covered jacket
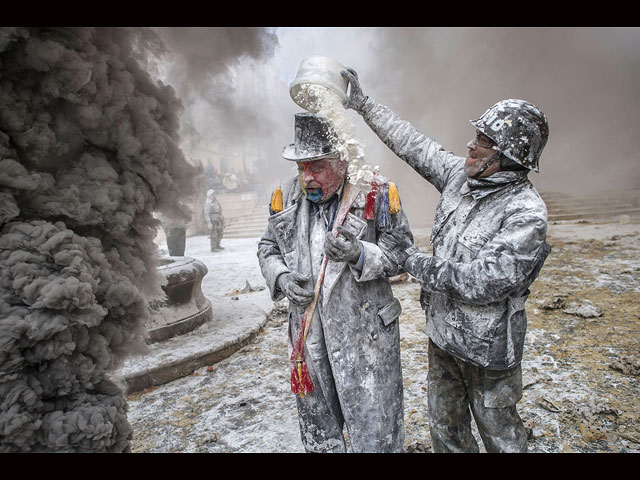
[489, 243]
[212, 211]
[357, 315]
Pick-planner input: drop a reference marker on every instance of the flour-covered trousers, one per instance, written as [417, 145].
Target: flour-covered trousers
[215, 235]
[455, 387]
[375, 425]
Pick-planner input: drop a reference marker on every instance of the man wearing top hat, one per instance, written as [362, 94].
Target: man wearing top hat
[352, 350]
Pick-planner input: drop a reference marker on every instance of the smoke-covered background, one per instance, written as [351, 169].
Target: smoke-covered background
[102, 127]
[586, 80]
[89, 150]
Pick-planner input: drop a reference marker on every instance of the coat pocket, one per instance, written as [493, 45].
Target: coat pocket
[471, 242]
[285, 228]
[290, 259]
[502, 388]
[390, 312]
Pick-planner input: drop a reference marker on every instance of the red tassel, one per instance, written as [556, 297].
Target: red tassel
[298, 347]
[301, 382]
[295, 381]
[370, 205]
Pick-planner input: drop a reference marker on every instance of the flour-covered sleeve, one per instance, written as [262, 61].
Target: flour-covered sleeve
[271, 262]
[504, 267]
[423, 154]
[375, 264]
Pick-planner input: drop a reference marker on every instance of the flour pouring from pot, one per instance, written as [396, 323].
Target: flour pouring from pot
[319, 88]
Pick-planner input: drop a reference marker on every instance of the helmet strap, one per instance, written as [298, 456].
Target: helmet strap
[509, 165]
[492, 159]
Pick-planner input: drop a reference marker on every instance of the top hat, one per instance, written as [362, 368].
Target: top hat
[312, 139]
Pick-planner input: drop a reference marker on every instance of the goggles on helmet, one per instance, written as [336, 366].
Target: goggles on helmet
[484, 141]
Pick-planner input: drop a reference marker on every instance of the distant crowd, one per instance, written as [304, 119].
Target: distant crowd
[228, 182]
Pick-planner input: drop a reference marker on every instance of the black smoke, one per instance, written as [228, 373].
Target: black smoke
[202, 62]
[89, 149]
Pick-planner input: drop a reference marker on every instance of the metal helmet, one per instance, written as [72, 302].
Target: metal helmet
[519, 128]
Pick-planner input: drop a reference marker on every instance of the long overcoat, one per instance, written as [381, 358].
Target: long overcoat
[353, 348]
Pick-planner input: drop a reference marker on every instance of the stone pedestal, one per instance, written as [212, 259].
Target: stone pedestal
[185, 306]
[176, 240]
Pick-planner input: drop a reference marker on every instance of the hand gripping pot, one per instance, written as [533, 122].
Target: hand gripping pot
[519, 128]
[322, 71]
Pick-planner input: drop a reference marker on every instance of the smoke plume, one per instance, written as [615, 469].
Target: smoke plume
[88, 150]
[202, 63]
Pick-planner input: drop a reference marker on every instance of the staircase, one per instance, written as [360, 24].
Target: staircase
[608, 205]
[249, 225]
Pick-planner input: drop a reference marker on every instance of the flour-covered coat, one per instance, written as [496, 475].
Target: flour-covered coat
[489, 243]
[212, 212]
[357, 376]
[215, 221]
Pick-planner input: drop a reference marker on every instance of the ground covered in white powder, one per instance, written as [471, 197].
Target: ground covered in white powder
[581, 364]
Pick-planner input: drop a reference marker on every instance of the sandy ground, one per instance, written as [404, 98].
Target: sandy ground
[581, 364]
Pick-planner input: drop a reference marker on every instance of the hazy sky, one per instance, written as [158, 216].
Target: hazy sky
[586, 80]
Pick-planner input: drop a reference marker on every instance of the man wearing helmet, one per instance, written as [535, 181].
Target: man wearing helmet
[489, 244]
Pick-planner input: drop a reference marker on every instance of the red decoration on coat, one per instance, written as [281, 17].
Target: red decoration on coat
[370, 206]
[301, 382]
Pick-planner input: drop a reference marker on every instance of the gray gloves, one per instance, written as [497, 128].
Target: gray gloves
[355, 100]
[291, 286]
[397, 247]
[345, 247]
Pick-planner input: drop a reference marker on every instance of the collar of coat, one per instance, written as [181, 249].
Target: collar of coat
[481, 187]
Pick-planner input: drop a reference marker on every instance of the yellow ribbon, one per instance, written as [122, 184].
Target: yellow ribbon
[276, 201]
[394, 198]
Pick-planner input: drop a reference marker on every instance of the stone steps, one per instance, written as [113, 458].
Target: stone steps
[604, 205]
[560, 207]
[595, 214]
[247, 226]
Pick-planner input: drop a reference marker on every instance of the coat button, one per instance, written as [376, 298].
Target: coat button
[366, 305]
[374, 336]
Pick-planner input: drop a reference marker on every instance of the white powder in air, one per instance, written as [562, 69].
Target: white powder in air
[328, 105]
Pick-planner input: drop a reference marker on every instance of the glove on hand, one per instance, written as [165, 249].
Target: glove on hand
[397, 247]
[344, 247]
[290, 284]
[355, 100]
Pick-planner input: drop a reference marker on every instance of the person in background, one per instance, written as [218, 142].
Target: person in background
[215, 220]
[230, 182]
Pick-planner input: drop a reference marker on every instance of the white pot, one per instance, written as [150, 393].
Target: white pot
[319, 71]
